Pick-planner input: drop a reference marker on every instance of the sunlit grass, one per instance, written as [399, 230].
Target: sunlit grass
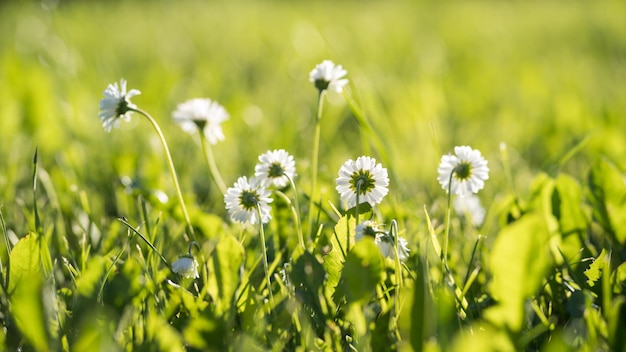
[537, 88]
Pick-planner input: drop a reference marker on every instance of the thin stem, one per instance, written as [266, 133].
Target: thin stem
[125, 222]
[295, 209]
[444, 253]
[314, 160]
[356, 213]
[264, 249]
[208, 154]
[396, 298]
[469, 265]
[170, 163]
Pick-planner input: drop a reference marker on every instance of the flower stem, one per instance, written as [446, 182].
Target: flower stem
[444, 253]
[314, 160]
[297, 213]
[190, 233]
[208, 154]
[264, 249]
[136, 231]
[396, 296]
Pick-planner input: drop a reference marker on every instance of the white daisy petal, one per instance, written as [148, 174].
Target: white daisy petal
[116, 105]
[186, 266]
[467, 169]
[202, 114]
[242, 199]
[471, 208]
[327, 75]
[374, 180]
[276, 167]
[385, 244]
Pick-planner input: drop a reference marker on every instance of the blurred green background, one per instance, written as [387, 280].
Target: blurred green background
[538, 76]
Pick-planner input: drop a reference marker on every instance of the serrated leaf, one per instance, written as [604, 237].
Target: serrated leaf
[340, 240]
[608, 198]
[519, 260]
[594, 272]
[25, 284]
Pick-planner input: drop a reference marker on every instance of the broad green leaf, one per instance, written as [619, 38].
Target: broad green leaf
[519, 259]
[567, 205]
[340, 240]
[567, 202]
[162, 334]
[483, 338]
[334, 260]
[608, 197]
[224, 272]
[418, 310]
[25, 291]
[594, 272]
[617, 322]
[206, 334]
[618, 277]
[307, 277]
[363, 271]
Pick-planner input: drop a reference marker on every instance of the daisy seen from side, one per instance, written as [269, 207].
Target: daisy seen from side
[186, 266]
[202, 114]
[327, 75]
[116, 105]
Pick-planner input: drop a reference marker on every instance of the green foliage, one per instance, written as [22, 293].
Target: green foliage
[25, 291]
[91, 223]
[519, 261]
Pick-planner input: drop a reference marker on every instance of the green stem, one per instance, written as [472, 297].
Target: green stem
[396, 298]
[264, 249]
[295, 210]
[208, 153]
[170, 163]
[125, 222]
[444, 253]
[314, 160]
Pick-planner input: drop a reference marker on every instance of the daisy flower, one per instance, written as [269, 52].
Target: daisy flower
[385, 244]
[276, 168]
[202, 114]
[186, 266]
[467, 169]
[367, 228]
[242, 199]
[116, 104]
[327, 75]
[367, 176]
[470, 206]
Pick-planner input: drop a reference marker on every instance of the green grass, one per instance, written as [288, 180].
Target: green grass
[537, 87]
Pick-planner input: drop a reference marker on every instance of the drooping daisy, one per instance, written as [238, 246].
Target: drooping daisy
[468, 169]
[470, 206]
[242, 199]
[116, 105]
[202, 114]
[367, 228]
[186, 266]
[367, 176]
[385, 244]
[276, 167]
[327, 75]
